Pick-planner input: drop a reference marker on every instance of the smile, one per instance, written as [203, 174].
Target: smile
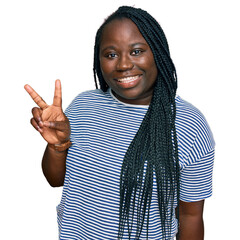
[128, 79]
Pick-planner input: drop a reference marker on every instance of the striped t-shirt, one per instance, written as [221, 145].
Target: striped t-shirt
[102, 128]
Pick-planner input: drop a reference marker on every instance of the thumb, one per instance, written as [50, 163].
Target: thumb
[57, 125]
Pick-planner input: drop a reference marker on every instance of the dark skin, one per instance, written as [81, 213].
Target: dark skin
[127, 62]
[191, 225]
[53, 125]
[119, 59]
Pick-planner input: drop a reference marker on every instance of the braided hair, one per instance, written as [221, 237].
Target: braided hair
[153, 153]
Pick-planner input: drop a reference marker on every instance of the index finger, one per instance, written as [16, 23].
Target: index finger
[57, 100]
[36, 98]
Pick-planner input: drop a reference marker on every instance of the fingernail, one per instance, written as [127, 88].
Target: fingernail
[46, 124]
[39, 129]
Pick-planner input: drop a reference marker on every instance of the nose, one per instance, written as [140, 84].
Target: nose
[124, 63]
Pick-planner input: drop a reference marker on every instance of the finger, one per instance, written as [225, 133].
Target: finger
[58, 125]
[36, 98]
[37, 113]
[35, 125]
[57, 100]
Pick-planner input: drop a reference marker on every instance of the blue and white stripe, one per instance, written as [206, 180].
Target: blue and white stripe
[101, 130]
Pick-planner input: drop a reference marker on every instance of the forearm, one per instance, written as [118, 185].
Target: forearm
[54, 166]
[191, 227]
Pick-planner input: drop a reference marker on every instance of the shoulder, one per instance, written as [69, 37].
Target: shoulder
[195, 138]
[188, 115]
[90, 95]
[83, 101]
[88, 98]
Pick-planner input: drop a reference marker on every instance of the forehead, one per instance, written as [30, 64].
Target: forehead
[122, 31]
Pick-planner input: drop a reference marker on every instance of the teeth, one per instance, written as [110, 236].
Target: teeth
[127, 79]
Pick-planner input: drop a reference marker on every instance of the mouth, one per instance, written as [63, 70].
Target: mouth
[128, 79]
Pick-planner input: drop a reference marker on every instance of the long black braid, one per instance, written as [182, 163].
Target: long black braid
[153, 151]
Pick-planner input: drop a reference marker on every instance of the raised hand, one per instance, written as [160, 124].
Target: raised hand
[50, 120]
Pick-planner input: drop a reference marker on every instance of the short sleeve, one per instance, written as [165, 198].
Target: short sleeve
[196, 179]
[196, 153]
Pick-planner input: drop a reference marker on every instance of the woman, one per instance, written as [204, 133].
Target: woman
[137, 156]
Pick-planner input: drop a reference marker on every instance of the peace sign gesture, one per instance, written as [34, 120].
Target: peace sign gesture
[50, 120]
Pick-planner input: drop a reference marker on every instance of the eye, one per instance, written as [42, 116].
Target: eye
[137, 52]
[111, 55]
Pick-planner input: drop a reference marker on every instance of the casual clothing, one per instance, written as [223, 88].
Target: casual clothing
[102, 128]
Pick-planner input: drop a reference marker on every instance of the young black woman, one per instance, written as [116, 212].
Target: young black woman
[134, 158]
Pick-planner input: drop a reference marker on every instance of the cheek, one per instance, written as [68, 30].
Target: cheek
[151, 70]
[106, 66]
[153, 67]
[102, 66]
[106, 70]
[148, 64]
[154, 71]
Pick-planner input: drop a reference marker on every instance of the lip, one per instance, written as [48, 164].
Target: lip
[128, 81]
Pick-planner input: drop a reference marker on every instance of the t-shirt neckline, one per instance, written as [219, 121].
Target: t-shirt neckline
[126, 104]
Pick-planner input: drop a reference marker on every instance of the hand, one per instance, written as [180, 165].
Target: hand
[50, 120]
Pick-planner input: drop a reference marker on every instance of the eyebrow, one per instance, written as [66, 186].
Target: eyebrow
[108, 47]
[132, 45]
[138, 43]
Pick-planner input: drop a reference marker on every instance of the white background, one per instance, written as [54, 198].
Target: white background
[41, 41]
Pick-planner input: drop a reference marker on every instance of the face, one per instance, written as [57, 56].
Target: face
[127, 62]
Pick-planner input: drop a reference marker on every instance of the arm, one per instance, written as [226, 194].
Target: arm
[191, 225]
[194, 190]
[54, 166]
[53, 125]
